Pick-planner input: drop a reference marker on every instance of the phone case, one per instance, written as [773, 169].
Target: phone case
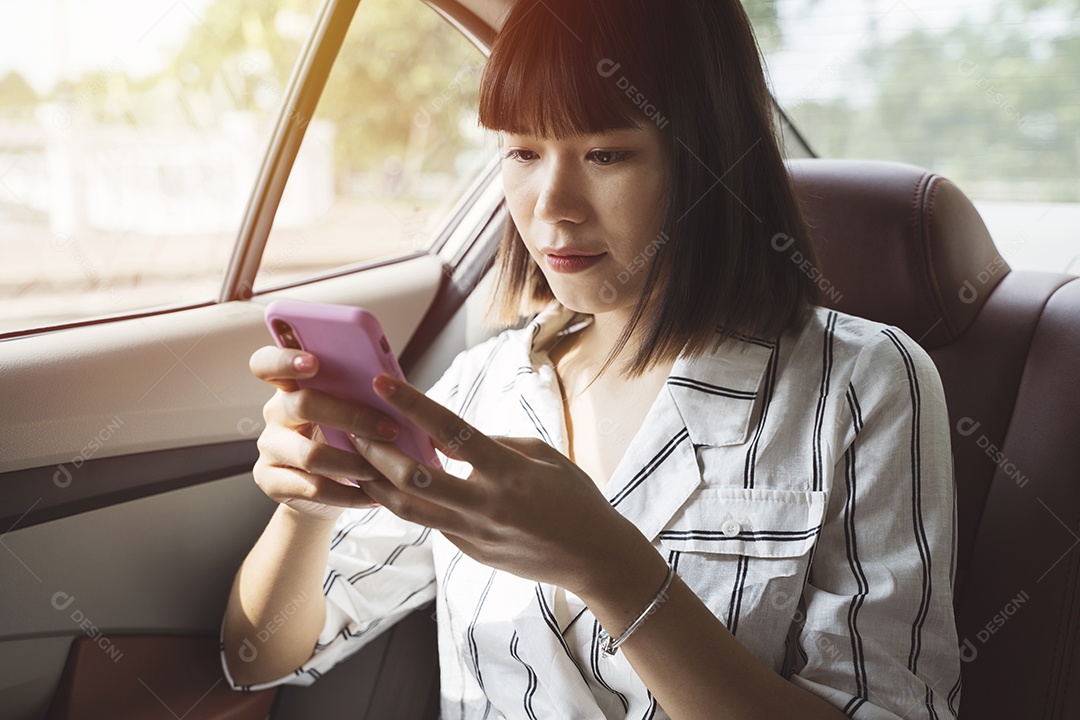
[352, 350]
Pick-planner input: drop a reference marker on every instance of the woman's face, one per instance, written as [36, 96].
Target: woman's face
[594, 195]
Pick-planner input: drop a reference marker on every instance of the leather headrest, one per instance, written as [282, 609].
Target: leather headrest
[897, 244]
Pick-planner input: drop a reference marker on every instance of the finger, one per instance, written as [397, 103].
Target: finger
[290, 449]
[417, 508]
[443, 449]
[285, 484]
[414, 478]
[312, 406]
[466, 442]
[282, 367]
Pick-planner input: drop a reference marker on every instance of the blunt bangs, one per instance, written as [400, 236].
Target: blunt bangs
[554, 71]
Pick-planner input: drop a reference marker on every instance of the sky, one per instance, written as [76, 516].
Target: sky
[40, 38]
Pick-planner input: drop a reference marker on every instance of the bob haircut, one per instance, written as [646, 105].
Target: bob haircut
[565, 68]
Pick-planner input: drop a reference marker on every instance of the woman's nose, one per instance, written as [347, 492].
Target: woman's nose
[561, 196]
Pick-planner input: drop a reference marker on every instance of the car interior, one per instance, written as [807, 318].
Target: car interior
[128, 501]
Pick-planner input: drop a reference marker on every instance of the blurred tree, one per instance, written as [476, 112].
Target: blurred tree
[766, 21]
[243, 41]
[994, 104]
[404, 85]
[401, 87]
[992, 100]
[17, 97]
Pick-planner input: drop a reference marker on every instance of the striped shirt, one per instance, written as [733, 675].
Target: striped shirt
[801, 486]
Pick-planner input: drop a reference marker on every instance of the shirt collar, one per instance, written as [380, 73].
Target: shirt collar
[554, 320]
[716, 393]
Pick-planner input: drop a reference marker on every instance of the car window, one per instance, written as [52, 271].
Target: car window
[983, 92]
[392, 146]
[130, 136]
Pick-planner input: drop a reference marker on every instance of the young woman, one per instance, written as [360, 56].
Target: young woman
[682, 489]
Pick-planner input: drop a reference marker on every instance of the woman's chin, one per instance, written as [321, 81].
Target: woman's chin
[590, 299]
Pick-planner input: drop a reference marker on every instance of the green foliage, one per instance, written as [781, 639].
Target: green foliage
[992, 100]
[17, 97]
[402, 72]
[399, 62]
[763, 16]
[241, 40]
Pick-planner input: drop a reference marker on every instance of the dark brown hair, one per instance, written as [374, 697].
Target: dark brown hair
[561, 68]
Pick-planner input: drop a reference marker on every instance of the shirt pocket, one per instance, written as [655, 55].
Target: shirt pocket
[745, 554]
[759, 523]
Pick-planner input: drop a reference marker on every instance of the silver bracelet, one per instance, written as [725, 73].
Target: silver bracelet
[609, 646]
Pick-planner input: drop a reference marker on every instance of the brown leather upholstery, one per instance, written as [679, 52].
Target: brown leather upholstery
[904, 246]
[143, 677]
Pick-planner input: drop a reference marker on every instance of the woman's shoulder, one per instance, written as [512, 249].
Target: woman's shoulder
[839, 327]
[851, 332]
[857, 347]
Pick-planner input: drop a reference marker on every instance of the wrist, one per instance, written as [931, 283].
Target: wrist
[300, 522]
[609, 644]
[624, 582]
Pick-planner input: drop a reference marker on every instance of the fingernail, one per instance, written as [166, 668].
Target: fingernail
[385, 385]
[304, 363]
[387, 428]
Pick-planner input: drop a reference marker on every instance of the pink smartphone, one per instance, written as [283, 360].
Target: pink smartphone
[352, 350]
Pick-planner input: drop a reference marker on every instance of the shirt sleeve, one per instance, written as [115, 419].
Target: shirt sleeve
[378, 571]
[876, 635]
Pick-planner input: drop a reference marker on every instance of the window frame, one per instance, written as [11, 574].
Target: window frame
[302, 94]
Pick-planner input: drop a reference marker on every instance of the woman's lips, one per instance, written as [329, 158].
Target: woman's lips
[572, 263]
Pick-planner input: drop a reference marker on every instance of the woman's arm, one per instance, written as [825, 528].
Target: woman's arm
[685, 656]
[276, 607]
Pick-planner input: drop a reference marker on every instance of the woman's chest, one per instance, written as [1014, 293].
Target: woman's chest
[598, 434]
[602, 422]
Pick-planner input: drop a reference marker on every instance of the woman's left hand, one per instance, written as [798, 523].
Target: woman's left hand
[525, 507]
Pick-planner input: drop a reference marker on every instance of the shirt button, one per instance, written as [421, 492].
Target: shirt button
[731, 528]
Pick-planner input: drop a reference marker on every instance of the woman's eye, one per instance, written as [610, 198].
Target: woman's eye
[519, 155]
[607, 157]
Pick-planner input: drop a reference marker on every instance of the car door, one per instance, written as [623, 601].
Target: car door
[142, 251]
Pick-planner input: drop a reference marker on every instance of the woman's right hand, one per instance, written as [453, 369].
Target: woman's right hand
[295, 467]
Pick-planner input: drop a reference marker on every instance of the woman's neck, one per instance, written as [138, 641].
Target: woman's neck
[580, 355]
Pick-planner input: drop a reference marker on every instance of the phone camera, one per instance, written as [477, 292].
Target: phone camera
[285, 332]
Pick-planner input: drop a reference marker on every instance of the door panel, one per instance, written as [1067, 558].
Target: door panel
[29, 670]
[162, 563]
[170, 380]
